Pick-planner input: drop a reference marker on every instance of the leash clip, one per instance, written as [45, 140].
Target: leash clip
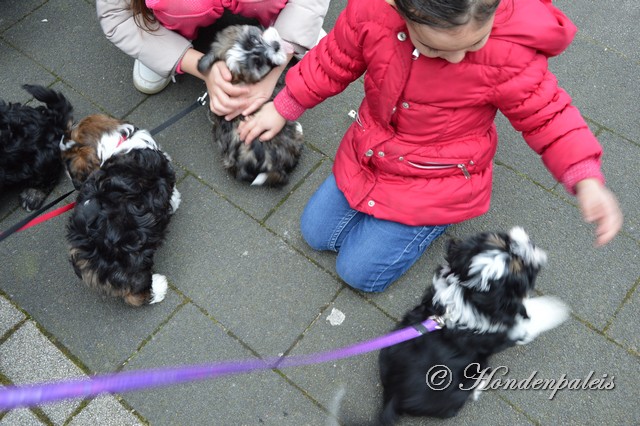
[438, 320]
[202, 100]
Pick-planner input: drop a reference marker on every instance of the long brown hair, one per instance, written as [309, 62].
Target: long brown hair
[143, 15]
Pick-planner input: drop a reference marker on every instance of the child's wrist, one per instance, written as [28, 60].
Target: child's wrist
[587, 184]
[586, 170]
[189, 63]
[287, 106]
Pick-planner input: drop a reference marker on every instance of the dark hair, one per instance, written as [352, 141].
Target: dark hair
[143, 16]
[446, 13]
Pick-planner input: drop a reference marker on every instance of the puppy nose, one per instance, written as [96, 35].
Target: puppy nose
[275, 45]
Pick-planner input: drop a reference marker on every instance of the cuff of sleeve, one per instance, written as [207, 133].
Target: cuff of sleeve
[179, 67]
[583, 170]
[287, 106]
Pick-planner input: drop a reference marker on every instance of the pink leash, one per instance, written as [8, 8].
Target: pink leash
[33, 218]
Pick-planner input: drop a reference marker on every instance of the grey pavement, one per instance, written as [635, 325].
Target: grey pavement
[244, 285]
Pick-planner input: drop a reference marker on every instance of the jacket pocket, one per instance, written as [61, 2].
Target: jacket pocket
[418, 166]
[442, 166]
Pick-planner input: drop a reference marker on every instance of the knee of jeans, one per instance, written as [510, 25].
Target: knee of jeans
[360, 278]
[310, 234]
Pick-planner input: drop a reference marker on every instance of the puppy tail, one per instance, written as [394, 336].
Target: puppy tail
[545, 313]
[158, 288]
[60, 109]
[389, 415]
[260, 179]
[334, 407]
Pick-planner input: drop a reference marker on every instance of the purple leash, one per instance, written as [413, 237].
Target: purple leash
[30, 395]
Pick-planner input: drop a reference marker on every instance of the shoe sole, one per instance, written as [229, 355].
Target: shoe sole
[148, 91]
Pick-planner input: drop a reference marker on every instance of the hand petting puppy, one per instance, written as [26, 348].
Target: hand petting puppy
[263, 125]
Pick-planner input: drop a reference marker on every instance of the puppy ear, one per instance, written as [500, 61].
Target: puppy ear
[224, 41]
[206, 62]
[485, 267]
[522, 247]
[81, 165]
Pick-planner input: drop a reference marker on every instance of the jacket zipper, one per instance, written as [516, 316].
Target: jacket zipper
[431, 166]
[435, 166]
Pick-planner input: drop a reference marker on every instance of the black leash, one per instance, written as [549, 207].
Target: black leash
[202, 100]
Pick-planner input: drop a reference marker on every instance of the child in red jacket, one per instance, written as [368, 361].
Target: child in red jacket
[419, 155]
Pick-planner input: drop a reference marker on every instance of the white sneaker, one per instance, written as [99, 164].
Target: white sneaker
[146, 80]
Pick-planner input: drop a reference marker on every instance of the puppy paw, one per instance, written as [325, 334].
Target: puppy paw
[175, 200]
[545, 313]
[158, 288]
[480, 388]
[32, 199]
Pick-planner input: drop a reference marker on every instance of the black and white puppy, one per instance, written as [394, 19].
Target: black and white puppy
[481, 294]
[250, 53]
[29, 144]
[126, 197]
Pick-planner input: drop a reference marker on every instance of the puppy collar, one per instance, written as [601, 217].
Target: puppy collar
[439, 320]
[122, 139]
[434, 322]
[124, 135]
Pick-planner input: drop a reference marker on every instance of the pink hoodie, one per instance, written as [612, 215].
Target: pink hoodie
[187, 16]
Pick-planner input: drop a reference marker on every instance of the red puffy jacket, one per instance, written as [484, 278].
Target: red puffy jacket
[421, 150]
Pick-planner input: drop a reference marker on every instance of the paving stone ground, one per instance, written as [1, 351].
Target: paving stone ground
[244, 285]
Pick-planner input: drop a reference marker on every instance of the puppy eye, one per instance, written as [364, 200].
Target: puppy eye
[254, 40]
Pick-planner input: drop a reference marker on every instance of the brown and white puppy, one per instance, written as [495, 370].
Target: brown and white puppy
[250, 53]
[126, 197]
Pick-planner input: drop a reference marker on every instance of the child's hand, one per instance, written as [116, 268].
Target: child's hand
[226, 99]
[265, 124]
[599, 205]
[232, 100]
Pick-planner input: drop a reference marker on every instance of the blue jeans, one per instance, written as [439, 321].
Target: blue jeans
[372, 253]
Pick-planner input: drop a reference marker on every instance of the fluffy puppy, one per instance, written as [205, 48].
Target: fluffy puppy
[126, 197]
[250, 54]
[480, 293]
[29, 139]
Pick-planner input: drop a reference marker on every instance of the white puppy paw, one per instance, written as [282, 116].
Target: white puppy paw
[545, 313]
[159, 287]
[175, 200]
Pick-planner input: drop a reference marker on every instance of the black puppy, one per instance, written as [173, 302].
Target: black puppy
[29, 144]
[126, 197]
[480, 293]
